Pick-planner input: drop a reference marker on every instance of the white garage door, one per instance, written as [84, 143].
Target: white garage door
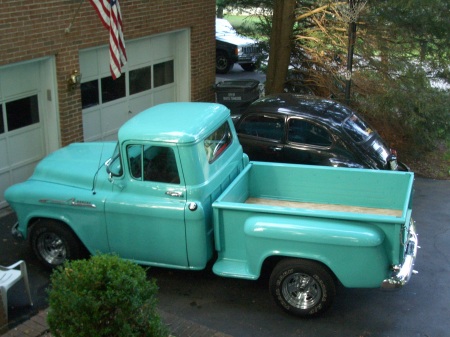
[26, 102]
[157, 71]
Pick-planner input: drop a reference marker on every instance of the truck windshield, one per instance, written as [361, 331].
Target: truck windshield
[216, 143]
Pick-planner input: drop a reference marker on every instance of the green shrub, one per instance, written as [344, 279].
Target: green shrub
[103, 296]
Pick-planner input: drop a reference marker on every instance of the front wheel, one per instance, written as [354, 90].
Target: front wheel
[53, 243]
[223, 63]
[302, 287]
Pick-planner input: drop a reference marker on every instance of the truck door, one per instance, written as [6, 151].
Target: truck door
[145, 215]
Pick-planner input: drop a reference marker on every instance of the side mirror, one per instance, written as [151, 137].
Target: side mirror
[113, 167]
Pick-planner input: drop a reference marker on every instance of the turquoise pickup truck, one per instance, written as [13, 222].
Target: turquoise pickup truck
[177, 191]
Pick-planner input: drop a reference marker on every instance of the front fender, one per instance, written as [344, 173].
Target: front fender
[79, 209]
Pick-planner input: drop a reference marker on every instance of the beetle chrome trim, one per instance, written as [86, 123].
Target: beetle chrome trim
[403, 273]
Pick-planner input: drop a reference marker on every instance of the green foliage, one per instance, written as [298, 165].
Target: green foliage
[407, 108]
[103, 296]
[400, 46]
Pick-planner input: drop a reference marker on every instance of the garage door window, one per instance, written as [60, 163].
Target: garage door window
[140, 80]
[163, 73]
[89, 94]
[112, 89]
[22, 112]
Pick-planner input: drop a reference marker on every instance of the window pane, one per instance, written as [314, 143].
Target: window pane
[357, 129]
[160, 165]
[134, 154]
[22, 112]
[163, 73]
[263, 126]
[2, 124]
[140, 80]
[217, 142]
[304, 132]
[89, 94]
[113, 89]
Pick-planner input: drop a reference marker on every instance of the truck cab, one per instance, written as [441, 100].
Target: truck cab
[166, 181]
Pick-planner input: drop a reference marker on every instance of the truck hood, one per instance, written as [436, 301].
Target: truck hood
[74, 165]
[237, 40]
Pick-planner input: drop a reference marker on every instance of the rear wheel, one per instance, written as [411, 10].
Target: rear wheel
[53, 243]
[302, 287]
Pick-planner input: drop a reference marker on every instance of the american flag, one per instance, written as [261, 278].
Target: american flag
[109, 13]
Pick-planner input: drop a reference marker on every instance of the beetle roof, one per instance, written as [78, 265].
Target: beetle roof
[178, 123]
[302, 105]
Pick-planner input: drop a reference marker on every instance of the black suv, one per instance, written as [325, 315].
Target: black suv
[234, 48]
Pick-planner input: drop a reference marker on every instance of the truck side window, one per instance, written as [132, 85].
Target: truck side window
[216, 143]
[153, 163]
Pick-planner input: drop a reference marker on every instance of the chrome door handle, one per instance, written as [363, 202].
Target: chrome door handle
[275, 148]
[174, 193]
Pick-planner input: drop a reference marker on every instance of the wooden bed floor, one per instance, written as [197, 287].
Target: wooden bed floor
[324, 207]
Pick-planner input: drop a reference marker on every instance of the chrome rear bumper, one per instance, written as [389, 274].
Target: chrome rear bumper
[403, 273]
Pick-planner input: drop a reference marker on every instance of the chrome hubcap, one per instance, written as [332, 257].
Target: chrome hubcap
[301, 291]
[51, 248]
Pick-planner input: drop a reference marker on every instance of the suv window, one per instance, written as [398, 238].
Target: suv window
[217, 142]
[301, 131]
[263, 126]
[153, 163]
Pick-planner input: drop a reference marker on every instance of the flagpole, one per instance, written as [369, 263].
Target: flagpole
[67, 30]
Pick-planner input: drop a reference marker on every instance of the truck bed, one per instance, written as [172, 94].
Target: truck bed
[272, 205]
[367, 195]
[324, 207]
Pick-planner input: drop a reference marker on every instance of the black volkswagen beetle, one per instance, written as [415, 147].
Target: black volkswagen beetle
[311, 130]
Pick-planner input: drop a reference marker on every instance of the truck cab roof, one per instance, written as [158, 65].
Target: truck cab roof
[178, 123]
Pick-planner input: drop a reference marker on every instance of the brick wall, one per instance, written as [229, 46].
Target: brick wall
[31, 29]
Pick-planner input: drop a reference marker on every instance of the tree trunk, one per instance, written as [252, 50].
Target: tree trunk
[280, 45]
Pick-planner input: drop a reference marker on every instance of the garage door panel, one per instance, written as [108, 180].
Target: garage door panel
[113, 117]
[165, 48]
[26, 146]
[5, 182]
[164, 95]
[3, 155]
[140, 103]
[89, 60]
[13, 85]
[92, 124]
[23, 172]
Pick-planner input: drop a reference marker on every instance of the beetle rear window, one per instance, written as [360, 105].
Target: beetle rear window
[357, 129]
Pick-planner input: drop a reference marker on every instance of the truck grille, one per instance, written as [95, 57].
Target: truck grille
[251, 49]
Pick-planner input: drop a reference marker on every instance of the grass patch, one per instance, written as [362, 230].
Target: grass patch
[241, 21]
